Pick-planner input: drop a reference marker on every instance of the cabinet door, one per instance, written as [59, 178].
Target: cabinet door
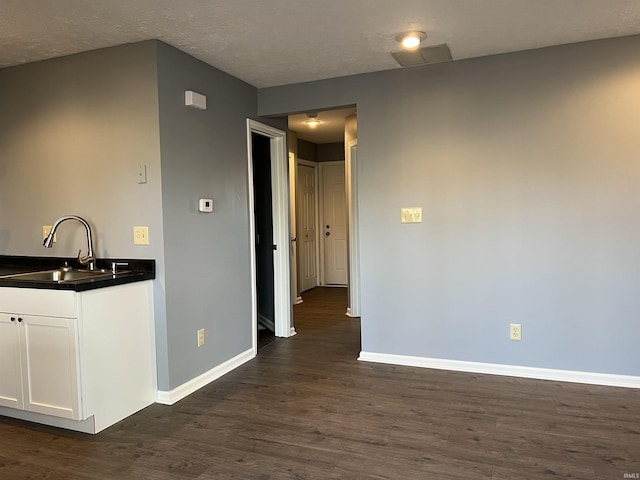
[10, 372]
[50, 366]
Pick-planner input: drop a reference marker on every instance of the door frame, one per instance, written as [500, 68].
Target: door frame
[321, 245]
[280, 208]
[293, 225]
[353, 230]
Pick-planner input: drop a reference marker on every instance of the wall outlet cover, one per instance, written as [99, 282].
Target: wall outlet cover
[515, 331]
[141, 235]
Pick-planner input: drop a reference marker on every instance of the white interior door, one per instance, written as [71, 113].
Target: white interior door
[306, 223]
[334, 224]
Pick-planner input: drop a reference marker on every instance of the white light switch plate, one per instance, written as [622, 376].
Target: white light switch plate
[411, 215]
[142, 173]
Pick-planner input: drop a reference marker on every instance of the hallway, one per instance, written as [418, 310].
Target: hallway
[305, 408]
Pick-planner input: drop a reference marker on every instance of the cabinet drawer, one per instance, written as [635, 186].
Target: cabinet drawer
[35, 301]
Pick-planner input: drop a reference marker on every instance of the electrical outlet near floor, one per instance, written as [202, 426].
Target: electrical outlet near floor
[201, 337]
[515, 331]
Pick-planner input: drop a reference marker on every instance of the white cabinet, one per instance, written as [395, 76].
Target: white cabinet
[85, 357]
[10, 362]
[42, 366]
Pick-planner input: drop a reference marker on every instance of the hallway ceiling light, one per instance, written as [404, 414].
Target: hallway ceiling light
[411, 40]
[313, 121]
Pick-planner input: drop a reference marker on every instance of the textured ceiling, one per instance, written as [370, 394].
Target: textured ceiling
[276, 42]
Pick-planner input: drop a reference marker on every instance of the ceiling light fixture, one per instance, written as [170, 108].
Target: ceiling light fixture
[313, 121]
[411, 40]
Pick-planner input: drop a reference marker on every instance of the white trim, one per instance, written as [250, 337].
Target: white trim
[178, 393]
[590, 378]
[292, 331]
[252, 246]
[320, 224]
[293, 228]
[281, 230]
[351, 169]
[84, 426]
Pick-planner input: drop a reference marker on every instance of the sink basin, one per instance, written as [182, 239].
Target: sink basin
[62, 275]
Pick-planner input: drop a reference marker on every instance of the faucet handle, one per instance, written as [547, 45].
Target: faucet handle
[87, 260]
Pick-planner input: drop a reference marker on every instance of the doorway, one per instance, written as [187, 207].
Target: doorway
[263, 240]
[331, 142]
[267, 144]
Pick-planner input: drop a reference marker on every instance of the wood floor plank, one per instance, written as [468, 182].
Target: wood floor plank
[305, 408]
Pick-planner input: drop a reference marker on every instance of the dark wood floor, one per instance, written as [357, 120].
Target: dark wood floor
[306, 409]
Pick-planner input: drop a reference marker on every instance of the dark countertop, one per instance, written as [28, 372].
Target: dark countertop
[136, 271]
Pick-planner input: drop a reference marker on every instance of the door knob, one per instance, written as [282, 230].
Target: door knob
[328, 226]
[327, 234]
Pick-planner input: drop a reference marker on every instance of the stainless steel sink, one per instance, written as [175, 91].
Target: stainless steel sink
[62, 275]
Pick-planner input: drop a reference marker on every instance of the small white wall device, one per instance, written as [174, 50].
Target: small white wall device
[195, 100]
[205, 205]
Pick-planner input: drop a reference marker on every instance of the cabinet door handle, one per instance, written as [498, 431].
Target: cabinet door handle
[19, 320]
[13, 319]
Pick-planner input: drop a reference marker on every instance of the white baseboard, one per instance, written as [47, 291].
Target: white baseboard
[292, 331]
[84, 426]
[298, 301]
[178, 393]
[606, 379]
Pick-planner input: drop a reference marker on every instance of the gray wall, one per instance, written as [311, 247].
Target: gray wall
[323, 152]
[204, 155]
[307, 150]
[526, 166]
[72, 133]
[331, 152]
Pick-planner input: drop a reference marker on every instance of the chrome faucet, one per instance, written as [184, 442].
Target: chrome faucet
[90, 259]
